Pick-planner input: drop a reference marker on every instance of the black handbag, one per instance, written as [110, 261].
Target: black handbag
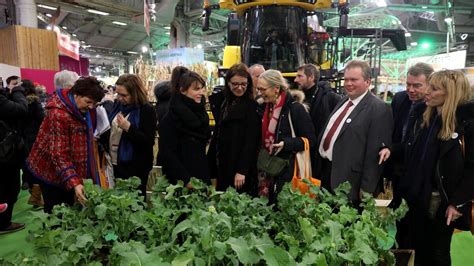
[270, 164]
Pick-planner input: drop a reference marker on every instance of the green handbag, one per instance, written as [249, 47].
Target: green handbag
[272, 165]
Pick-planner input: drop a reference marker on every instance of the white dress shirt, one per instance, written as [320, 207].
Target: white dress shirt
[328, 153]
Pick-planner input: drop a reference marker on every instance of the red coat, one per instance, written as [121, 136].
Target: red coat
[59, 155]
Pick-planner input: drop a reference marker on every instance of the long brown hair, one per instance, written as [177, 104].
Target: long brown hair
[135, 87]
[182, 78]
[458, 91]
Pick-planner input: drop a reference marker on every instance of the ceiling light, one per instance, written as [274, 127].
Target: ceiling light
[64, 27]
[154, 53]
[426, 45]
[132, 52]
[47, 7]
[49, 28]
[49, 15]
[144, 49]
[448, 20]
[75, 35]
[424, 7]
[381, 3]
[413, 43]
[167, 33]
[407, 34]
[199, 46]
[93, 11]
[83, 42]
[119, 23]
[167, 27]
[97, 56]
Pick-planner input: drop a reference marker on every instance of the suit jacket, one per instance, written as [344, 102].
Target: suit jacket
[401, 110]
[400, 107]
[321, 105]
[356, 149]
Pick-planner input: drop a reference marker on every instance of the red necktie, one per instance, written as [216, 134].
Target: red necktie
[334, 127]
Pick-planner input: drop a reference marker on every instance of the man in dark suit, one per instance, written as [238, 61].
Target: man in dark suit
[402, 105]
[319, 96]
[355, 139]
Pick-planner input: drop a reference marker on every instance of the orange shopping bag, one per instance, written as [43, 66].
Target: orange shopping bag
[302, 170]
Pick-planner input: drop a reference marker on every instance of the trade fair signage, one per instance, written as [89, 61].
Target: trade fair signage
[66, 44]
[452, 60]
[180, 56]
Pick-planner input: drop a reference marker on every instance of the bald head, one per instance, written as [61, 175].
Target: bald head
[255, 71]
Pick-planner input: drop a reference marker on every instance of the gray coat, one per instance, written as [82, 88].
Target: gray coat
[356, 149]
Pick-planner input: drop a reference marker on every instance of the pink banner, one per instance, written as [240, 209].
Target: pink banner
[81, 67]
[43, 77]
[66, 44]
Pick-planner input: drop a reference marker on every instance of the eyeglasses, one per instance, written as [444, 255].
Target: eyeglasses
[237, 84]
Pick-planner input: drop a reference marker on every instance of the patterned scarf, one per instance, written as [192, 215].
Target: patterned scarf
[91, 121]
[270, 121]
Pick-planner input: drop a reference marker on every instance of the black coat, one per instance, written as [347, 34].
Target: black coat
[142, 140]
[162, 95]
[303, 128]
[400, 110]
[33, 121]
[234, 145]
[322, 102]
[13, 110]
[184, 134]
[13, 106]
[454, 173]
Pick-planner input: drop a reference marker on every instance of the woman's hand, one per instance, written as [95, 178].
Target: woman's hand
[122, 122]
[384, 155]
[452, 214]
[189, 185]
[276, 148]
[79, 191]
[239, 180]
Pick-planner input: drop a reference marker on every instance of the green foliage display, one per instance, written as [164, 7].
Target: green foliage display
[205, 227]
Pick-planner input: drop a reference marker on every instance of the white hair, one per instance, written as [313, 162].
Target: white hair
[65, 79]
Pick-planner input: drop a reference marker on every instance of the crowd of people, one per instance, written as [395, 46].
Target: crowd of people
[422, 143]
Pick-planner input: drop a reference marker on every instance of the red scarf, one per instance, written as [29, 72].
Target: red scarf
[270, 121]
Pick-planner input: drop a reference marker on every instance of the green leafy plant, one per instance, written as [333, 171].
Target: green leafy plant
[201, 226]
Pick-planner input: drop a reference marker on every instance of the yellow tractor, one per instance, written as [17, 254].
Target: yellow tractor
[278, 34]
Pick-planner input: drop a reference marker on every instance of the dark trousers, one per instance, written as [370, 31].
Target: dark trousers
[326, 166]
[10, 183]
[430, 238]
[53, 196]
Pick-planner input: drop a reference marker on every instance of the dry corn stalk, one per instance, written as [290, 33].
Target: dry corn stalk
[151, 74]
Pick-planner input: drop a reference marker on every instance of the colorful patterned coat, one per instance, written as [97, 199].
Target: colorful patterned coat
[60, 154]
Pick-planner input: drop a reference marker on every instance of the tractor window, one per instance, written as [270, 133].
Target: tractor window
[274, 36]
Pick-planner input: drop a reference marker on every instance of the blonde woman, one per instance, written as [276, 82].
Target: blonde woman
[276, 131]
[439, 180]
